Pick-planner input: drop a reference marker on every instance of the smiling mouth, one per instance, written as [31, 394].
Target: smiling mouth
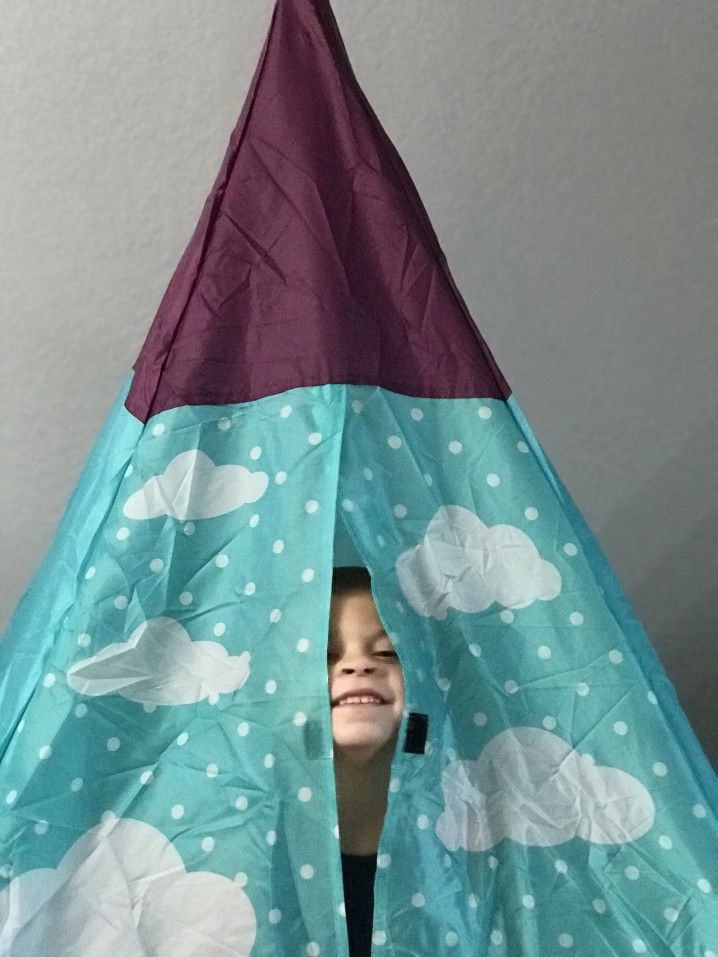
[360, 701]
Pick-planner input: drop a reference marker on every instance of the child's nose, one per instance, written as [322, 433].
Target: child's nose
[364, 665]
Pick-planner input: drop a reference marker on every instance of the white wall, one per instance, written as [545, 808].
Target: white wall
[568, 156]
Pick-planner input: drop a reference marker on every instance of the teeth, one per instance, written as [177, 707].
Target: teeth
[360, 699]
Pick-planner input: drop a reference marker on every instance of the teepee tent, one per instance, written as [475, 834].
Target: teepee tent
[314, 393]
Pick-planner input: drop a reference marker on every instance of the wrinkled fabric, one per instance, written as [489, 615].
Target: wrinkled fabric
[314, 260]
[175, 745]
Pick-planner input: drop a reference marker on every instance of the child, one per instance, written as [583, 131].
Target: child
[366, 690]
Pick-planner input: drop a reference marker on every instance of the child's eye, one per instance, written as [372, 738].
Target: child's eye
[387, 654]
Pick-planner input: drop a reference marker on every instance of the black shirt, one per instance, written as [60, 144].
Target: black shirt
[358, 872]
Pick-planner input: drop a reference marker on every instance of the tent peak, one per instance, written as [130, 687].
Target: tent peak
[314, 261]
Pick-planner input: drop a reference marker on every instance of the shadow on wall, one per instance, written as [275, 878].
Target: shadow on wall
[684, 632]
[675, 599]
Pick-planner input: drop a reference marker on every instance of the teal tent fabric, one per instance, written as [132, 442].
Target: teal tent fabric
[166, 776]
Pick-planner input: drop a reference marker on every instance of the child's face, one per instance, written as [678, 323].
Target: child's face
[361, 658]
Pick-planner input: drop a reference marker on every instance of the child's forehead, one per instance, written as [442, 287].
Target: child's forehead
[353, 607]
[368, 635]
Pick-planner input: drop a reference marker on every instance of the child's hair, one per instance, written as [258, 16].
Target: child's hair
[349, 580]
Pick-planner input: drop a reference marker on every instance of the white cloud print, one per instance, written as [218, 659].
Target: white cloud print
[192, 487]
[462, 563]
[161, 665]
[123, 890]
[531, 786]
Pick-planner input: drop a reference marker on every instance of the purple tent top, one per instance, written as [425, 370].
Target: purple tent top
[314, 260]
